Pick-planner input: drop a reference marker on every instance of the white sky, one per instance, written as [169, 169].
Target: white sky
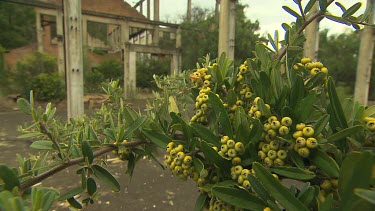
[269, 13]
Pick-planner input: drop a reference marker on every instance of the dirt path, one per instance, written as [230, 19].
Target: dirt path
[150, 188]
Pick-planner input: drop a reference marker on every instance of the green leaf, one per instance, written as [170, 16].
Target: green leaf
[71, 193]
[42, 145]
[157, 138]
[212, 156]
[238, 197]
[198, 165]
[91, 186]
[231, 97]
[342, 134]
[87, 151]
[30, 135]
[255, 133]
[110, 133]
[325, 163]
[74, 203]
[297, 91]
[262, 107]
[259, 188]
[337, 19]
[188, 134]
[272, 42]
[303, 108]
[351, 10]
[343, 9]
[309, 5]
[293, 172]
[323, 5]
[48, 198]
[290, 11]
[134, 126]
[356, 172]
[205, 134]
[200, 202]
[106, 177]
[321, 124]
[24, 106]
[277, 190]
[221, 113]
[337, 110]
[9, 178]
[368, 195]
[327, 204]
[370, 111]
[307, 195]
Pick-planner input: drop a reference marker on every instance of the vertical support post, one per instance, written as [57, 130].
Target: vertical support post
[155, 37]
[74, 60]
[217, 3]
[84, 31]
[39, 30]
[124, 39]
[365, 59]
[60, 43]
[188, 12]
[227, 27]
[141, 8]
[311, 45]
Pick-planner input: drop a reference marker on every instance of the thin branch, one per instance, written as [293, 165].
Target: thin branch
[304, 25]
[29, 183]
[44, 130]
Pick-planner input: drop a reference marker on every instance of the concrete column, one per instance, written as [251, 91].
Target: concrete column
[126, 58]
[311, 45]
[39, 30]
[148, 9]
[74, 57]
[227, 27]
[188, 13]
[60, 43]
[365, 59]
[155, 36]
[175, 63]
[84, 31]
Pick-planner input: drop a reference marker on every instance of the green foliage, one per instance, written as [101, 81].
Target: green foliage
[105, 71]
[346, 47]
[48, 87]
[147, 67]
[17, 25]
[200, 36]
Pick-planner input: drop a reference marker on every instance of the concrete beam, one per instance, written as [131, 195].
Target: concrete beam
[150, 49]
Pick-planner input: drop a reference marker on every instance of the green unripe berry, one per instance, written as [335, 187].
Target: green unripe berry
[326, 185]
[275, 125]
[274, 145]
[239, 147]
[224, 139]
[204, 173]
[232, 153]
[266, 127]
[236, 161]
[224, 148]
[272, 154]
[278, 162]
[238, 169]
[262, 155]
[231, 143]
[268, 162]
[246, 184]
[266, 148]
[286, 121]
[282, 154]
[304, 152]
[240, 179]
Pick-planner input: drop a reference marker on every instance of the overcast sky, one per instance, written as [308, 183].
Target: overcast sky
[269, 13]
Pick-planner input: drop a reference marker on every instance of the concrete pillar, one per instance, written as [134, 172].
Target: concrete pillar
[227, 27]
[84, 31]
[39, 30]
[311, 45]
[175, 62]
[74, 57]
[60, 43]
[188, 13]
[155, 36]
[365, 59]
[148, 9]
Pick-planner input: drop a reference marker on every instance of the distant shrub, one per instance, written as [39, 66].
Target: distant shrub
[48, 87]
[147, 67]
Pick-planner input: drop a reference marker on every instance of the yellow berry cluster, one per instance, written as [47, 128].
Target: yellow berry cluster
[123, 152]
[327, 187]
[245, 91]
[304, 140]
[179, 163]
[239, 174]
[370, 123]
[242, 71]
[271, 151]
[254, 110]
[218, 205]
[230, 149]
[313, 67]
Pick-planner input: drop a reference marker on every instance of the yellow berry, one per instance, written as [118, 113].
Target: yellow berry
[283, 130]
[245, 172]
[271, 119]
[305, 60]
[231, 143]
[300, 126]
[308, 131]
[238, 169]
[274, 145]
[262, 155]
[311, 143]
[275, 124]
[268, 162]
[232, 153]
[224, 139]
[246, 184]
[188, 159]
[370, 125]
[278, 162]
[326, 185]
[286, 121]
[282, 154]
[236, 161]
[304, 152]
[272, 154]
[324, 70]
[297, 134]
[239, 147]
[266, 148]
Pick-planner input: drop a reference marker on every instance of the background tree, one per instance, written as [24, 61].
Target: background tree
[17, 25]
[200, 36]
[343, 65]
